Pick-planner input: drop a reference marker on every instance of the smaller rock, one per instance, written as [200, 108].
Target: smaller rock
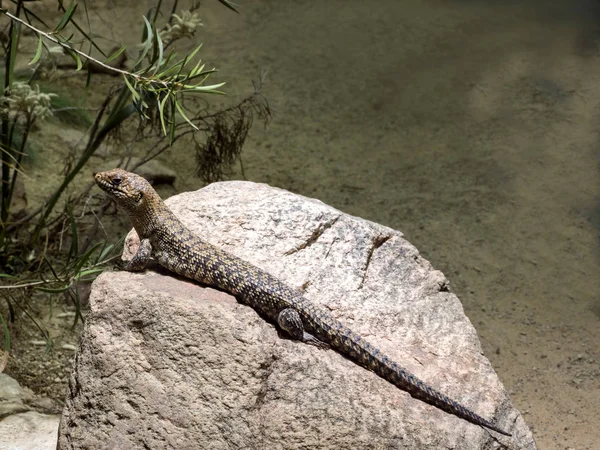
[29, 431]
[9, 388]
[21, 428]
[71, 347]
[45, 403]
[8, 408]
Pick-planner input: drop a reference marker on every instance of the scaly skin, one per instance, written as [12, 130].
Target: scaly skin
[179, 250]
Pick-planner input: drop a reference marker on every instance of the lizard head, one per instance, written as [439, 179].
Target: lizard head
[129, 190]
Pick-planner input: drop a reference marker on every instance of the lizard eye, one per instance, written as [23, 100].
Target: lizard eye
[140, 197]
[117, 180]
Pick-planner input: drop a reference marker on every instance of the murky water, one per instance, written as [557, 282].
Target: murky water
[472, 126]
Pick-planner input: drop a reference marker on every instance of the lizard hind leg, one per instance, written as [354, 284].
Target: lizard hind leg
[289, 321]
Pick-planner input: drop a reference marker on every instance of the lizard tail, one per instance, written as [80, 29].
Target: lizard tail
[366, 355]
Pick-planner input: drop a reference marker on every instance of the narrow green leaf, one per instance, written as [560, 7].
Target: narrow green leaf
[66, 16]
[49, 343]
[83, 259]
[6, 334]
[212, 89]
[198, 68]
[89, 27]
[147, 43]
[76, 58]
[168, 60]
[202, 74]
[5, 275]
[161, 112]
[54, 274]
[161, 50]
[104, 253]
[191, 55]
[14, 42]
[134, 93]
[183, 63]
[175, 67]
[77, 302]
[154, 56]
[145, 33]
[38, 52]
[116, 54]
[86, 257]
[51, 312]
[52, 290]
[143, 104]
[11, 310]
[172, 125]
[26, 310]
[29, 12]
[229, 5]
[87, 37]
[88, 78]
[87, 15]
[74, 248]
[180, 109]
[86, 272]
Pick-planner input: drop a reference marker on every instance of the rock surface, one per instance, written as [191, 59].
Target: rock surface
[167, 363]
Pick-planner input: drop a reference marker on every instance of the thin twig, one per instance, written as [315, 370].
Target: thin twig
[75, 108]
[33, 283]
[85, 55]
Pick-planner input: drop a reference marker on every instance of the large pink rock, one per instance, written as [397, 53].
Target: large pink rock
[167, 363]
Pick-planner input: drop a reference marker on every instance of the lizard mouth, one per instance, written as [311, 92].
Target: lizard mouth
[107, 186]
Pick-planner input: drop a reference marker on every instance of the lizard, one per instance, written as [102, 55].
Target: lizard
[164, 238]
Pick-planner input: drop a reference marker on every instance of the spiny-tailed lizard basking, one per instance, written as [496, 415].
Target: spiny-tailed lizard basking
[175, 247]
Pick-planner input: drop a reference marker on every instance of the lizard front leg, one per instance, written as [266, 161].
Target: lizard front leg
[141, 258]
[290, 321]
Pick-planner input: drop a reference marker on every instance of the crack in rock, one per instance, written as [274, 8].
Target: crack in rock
[267, 369]
[314, 237]
[376, 243]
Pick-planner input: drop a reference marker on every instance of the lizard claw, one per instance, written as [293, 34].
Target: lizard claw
[311, 340]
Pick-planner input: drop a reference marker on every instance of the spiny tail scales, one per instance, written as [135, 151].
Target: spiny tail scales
[366, 355]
